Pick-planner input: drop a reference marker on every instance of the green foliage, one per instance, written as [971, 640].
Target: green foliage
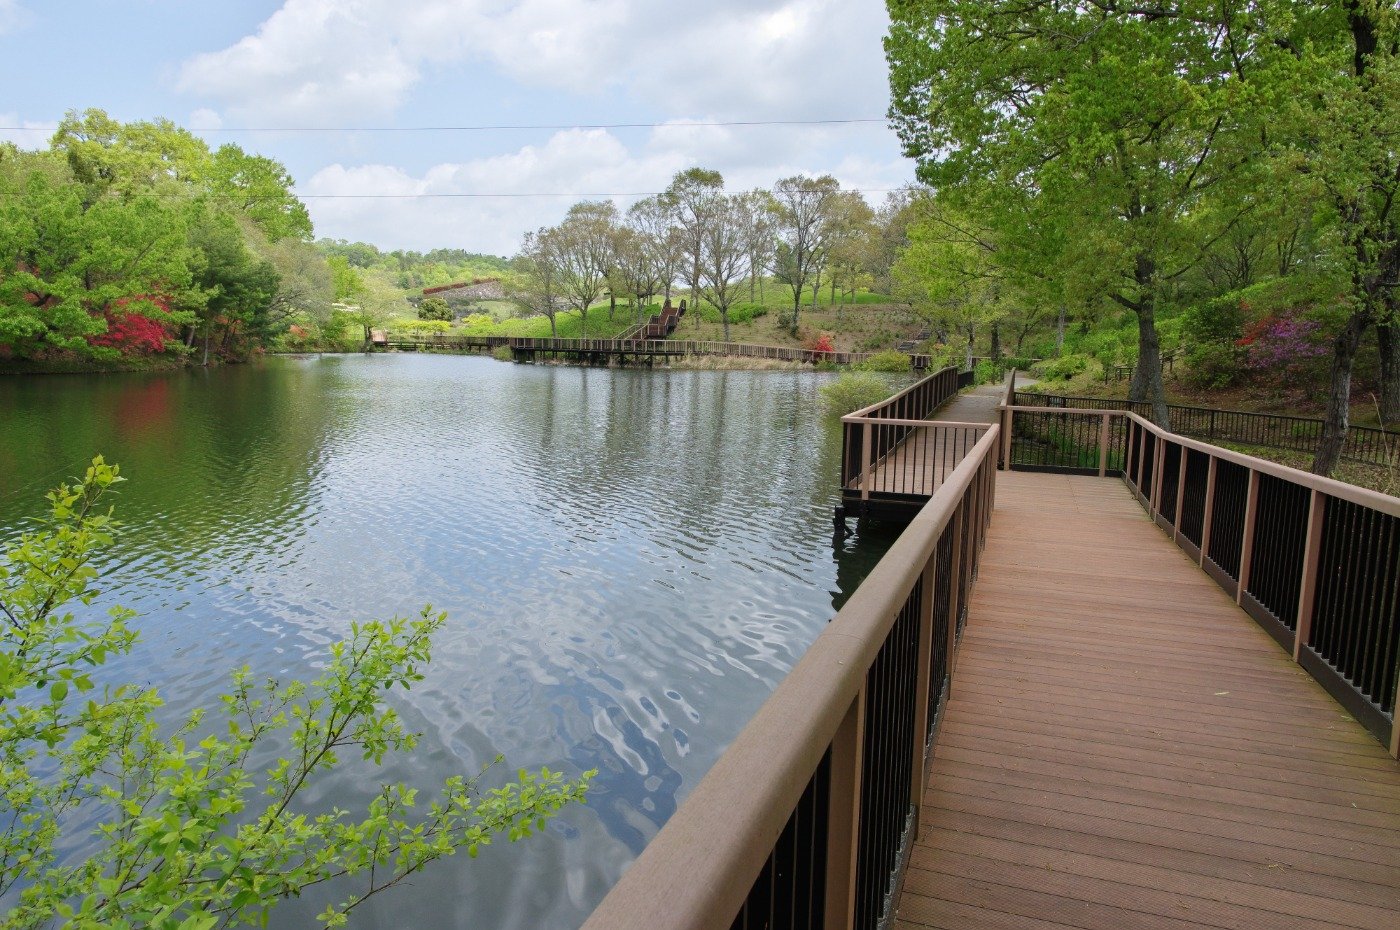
[1213, 365]
[1066, 367]
[890, 360]
[68, 262]
[988, 372]
[140, 219]
[178, 829]
[853, 391]
[502, 354]
[421, 327]
[434, 308]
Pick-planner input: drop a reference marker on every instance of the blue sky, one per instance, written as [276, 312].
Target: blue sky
[322, 64]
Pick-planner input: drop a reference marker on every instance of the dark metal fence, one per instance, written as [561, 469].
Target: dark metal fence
[1268, 430]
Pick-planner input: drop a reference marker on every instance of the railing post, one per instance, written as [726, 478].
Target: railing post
[1154, 493]
[1103, 439]
[1312, 556]
[1182, 458]
[843, 817]
[866, 466]
[954, 593]
[924, 684]
[1251, 516]
[1395, 727]
[1006, 418]
[1208, 517]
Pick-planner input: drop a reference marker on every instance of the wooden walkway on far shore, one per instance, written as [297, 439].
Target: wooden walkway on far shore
[1125, 748]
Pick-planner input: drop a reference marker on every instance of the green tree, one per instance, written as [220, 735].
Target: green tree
[238, 288]
[804, 218]
[538, 284]
[583, 245]
[435, 308]
[188, 833]
[69, 263]
[261, 189]
[1132, 124]
[688, 197]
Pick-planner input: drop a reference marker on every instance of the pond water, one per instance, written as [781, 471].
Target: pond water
[630, 561]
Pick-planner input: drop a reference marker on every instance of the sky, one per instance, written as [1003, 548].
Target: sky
[285, 78]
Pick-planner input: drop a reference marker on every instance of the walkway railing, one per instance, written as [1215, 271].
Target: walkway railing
[1315, 562]
[870, 434]
[806, 818]
[1272, 430]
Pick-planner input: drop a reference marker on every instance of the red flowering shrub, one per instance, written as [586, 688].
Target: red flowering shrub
[822, 343]
[132, 333]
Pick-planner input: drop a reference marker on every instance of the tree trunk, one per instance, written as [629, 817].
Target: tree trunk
[205, 363]
[724, 319]
[1335, 421]
[553, 329]
[612, 305]
[1060, 331]
[752, 282]
[833, 292]
[1147, 383]
[816, 289]
[971, 335]
[1389, 342]
[996, 341]
[695, 294]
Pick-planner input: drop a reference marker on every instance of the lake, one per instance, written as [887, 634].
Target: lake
[630, 561]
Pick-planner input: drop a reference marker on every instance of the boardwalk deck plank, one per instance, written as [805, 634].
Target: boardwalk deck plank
[1125, 748]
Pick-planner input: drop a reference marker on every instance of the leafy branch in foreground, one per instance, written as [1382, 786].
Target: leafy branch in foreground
[191, 833]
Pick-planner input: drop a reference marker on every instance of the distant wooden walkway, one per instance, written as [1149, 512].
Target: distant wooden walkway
[1125, 748]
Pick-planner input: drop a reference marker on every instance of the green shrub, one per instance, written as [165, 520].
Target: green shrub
[853, 391]
[1063, 368]
[889, 360]
[988, 372]
[1212, 365]
[502, 354]
[434, 308]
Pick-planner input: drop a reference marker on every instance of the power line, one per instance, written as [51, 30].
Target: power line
[509, 127]
[472, 195]
[476, 195]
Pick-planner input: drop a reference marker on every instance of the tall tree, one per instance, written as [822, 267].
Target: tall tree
[1345, 104]
[689, 196]
[584, 247]
[538, 286]
[804, 214]
[724, 254]
[1122, 119]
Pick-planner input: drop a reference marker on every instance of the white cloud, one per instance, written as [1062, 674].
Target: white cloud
[320, 62]
[12, 16]
[27, 134]
[204, 118]
[571, 164]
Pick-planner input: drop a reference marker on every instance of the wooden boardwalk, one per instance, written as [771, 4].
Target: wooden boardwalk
[923, 460]
[1125, 748]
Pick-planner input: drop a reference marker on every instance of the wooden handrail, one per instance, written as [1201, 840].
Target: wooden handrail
[697, 873]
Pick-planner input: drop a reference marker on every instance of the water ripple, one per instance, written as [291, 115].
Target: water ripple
[630, 561]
